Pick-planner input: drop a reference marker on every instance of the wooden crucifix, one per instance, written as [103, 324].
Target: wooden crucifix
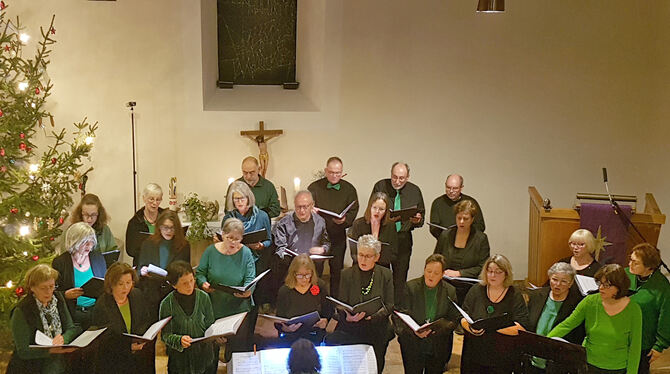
[261, 138]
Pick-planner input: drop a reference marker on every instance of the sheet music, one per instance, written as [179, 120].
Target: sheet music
[463, 313]
[408, 320]
[246, 363]
[586, 284]
[273, 361]
[156, 270]
[358, 359]
[153, 330]
[82, 340]
[223, 326]
[462, 279]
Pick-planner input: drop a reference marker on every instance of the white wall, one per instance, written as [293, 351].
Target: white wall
[545, 94]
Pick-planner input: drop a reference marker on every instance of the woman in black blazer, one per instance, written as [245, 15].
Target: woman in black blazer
[164, 247]
[122, 310]
[427, 300]
[76, 266]
[376, 222]
[360, 283]
[549, 306]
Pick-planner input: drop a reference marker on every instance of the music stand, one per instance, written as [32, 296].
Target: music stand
[562, 357]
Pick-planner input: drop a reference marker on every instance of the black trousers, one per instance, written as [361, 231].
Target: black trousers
[644, 362]
[415, 361]
[400, 265]
[337, 249]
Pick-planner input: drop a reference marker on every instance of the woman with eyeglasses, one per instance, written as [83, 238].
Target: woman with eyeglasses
[229, 263]
[165, 246]
[582, 245]
[549, 306]
[363, 282]
[76, 267]
[465, 249]
[302, 293]
[43, 310]
[376, 222]
[143, 223]
[91, 211]
[122, 309]
[613, 324]
[652, 294]
[241, 204]
[493, 351]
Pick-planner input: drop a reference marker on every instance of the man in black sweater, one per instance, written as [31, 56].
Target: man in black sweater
[442, 209]
[334, 194]
[402, 194]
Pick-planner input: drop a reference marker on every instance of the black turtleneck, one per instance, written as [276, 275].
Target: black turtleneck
[366, 276]
[186, 302]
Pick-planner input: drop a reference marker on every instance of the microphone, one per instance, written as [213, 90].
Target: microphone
[605, 175]
[608, 190]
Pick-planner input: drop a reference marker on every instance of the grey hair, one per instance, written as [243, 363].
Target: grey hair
[369, 241]
[77, 234]
[400, 163]
[454, 175]
[563, 268]
[243, 189]
[232, 224]
[152, 189]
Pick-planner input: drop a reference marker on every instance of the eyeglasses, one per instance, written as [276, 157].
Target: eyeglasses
[575, 244]
[167, 228]
[303, 276]
[243, 198]
[453, 188]
[604, 285]
[234, 240]
[94, 215]
[366, 257]
[154, 199]
[377, 209]
[495, 272]
[303, 207]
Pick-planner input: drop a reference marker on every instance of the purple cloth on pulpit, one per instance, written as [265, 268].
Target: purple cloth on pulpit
[613, 228]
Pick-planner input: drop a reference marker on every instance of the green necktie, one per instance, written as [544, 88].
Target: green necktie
[331, 186]
[396, 206]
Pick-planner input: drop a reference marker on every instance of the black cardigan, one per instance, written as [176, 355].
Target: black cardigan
[134, 237]
[474, 254]
[387, 234]
[116, 356]
[536, 302]
[63, 263]
[414, 304]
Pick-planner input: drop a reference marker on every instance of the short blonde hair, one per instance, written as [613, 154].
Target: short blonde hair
[586, 236]
[76, 234]
[242, 189]
[503, 263]
[152, 189]
[298, 262]
[369, 241]
[39, 274]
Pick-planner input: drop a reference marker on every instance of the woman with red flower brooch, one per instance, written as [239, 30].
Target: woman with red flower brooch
[302, 293]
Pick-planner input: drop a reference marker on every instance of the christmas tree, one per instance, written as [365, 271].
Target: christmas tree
[36, 188]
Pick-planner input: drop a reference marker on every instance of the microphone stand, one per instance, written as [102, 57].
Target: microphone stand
[131, 105]
[626, 220]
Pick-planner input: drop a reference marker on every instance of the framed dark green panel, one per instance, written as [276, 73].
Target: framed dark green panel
[257, 42]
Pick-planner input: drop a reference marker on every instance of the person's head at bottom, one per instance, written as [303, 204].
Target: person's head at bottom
[303, 358]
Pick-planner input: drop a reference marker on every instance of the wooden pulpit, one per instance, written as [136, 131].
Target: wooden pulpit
[550, 229]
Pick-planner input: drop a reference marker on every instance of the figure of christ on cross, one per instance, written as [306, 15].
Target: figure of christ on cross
[261, 138]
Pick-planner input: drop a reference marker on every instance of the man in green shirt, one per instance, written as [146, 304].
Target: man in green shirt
[264, 191]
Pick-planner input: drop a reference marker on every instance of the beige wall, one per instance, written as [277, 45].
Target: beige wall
[511, 100]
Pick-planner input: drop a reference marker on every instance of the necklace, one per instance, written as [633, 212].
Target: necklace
[148, 219]
[490, 309]
[367, 289]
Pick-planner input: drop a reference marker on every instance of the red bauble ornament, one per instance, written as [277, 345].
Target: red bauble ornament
[61, 220]
[51, 238]
[3, 168]
[2, 5]
[53, 160]
[22, 146]
[35, 258]
[19, 291]
[28, 149]
[1, 113]
[14, 210]
[37, 91]
[314, 290]
[22, 135]
[2, 152]
[7, 47]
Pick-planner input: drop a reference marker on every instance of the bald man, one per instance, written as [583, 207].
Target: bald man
[264, 191]
[402, 194]
[442, 209]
